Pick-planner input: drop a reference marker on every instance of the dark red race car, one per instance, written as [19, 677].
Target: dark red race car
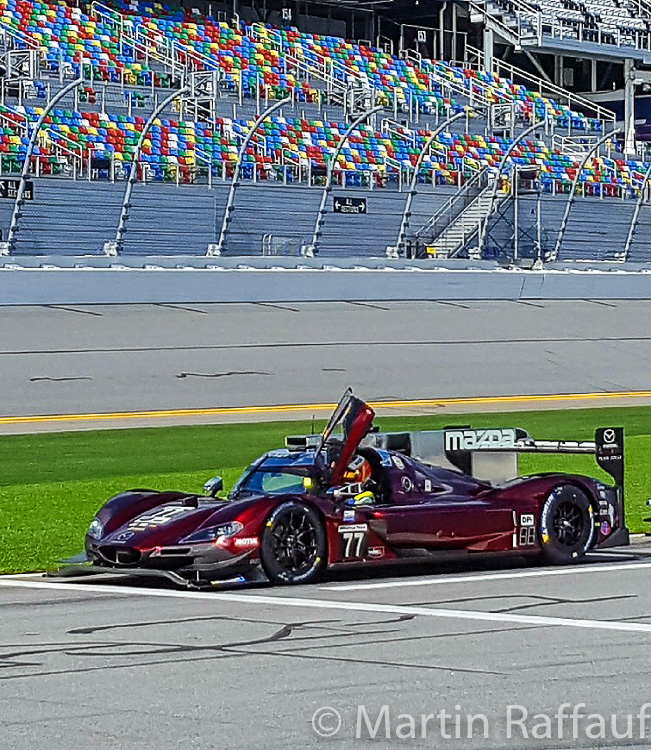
[367, 497]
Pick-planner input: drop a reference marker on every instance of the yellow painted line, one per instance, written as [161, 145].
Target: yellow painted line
[402, 404]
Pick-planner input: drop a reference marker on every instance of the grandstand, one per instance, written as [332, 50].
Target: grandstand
[509, 165]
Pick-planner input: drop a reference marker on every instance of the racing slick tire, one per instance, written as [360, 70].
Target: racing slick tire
[294, 545]
[566, 525]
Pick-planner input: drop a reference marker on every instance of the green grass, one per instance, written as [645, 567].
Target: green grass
[52, 484]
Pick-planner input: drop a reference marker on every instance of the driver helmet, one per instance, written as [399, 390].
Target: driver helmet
[358, 471]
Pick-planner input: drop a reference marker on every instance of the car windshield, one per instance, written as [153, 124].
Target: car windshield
[269, 483]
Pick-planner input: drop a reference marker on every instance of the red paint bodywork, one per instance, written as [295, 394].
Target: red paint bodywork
[422, 511]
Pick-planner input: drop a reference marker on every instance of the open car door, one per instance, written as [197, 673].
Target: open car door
[355, 418]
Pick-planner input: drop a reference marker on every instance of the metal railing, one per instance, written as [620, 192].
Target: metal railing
[455, 206]
[504, 69]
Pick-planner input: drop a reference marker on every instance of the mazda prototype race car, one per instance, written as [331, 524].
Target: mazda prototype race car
[354, 495]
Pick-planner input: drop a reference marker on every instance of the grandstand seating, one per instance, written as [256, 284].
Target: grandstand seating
[182, 150]
[192, 146]
[66, 33]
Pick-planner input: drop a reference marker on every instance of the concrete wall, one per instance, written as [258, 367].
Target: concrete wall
[107, 286]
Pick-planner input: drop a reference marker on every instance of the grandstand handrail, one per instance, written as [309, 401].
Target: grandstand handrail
[18, 35]
[506, 156]
[429, 66]
[178, 50]
[70, 147]
[451, 210]
[228, 210]
[391, 126]
[126, 201]
[171, 53]
[13, 123]
[327, 188]
[259, 30]
[322, 69]
[406, 213]
[570, 197]
[20, 192]
[544, 87]
[636, 215]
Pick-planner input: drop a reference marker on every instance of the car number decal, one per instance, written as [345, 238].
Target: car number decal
[158, 517]
[353, 540]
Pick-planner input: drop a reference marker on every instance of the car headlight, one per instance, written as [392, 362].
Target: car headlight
[96, 529]
[214, 532]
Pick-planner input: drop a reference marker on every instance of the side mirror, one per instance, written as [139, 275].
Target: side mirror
[213, 486]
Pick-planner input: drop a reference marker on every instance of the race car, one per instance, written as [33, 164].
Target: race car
[364, 497]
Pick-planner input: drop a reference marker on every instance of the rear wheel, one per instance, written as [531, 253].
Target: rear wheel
[293, 545]
[566, 525]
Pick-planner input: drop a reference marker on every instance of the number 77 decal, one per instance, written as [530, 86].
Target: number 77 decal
[353, 538]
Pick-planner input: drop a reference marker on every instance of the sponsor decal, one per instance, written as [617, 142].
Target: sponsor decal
[353, 528]
[474, 440]
[385, 458]
[124, 536]
[605, 528]
[406, 484]
[398, 462]
[609, 438]
[375, 552]
[246, 541]
[349, 515]
[428, 485]
[158, 517]
[527, 519]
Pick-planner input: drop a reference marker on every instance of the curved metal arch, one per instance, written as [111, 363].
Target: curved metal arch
[236, 174]
[505, 158]
[15, 214]
[575, 182]
[636, 214]
[327, 188]
[406, 212]
[126, 200]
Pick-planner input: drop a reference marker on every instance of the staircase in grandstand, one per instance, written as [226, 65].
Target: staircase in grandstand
[456, 228]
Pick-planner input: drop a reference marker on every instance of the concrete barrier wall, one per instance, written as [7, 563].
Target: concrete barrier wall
[111, 286]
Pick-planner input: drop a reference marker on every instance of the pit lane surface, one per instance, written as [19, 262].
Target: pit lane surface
[59, 360]
[104, 665]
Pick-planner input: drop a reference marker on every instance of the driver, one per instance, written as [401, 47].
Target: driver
[357, 479]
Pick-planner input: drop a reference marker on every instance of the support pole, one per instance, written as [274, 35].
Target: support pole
[219, 247]
[629, 108]
[327, 188]
[636, 213]
[133, 172]
[489, 43]
[575, 182]
[507, 154]
[406, 212]
[15, 214]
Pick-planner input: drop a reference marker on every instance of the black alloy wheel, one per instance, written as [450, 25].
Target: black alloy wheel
[293, 544]
[567, 525]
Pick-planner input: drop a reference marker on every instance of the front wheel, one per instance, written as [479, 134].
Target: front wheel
[566, 525]
[294, 545]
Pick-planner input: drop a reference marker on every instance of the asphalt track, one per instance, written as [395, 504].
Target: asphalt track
[108, 666]
[169, 364]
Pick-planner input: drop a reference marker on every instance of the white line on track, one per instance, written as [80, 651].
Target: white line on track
[394, 609]
[442, 579]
